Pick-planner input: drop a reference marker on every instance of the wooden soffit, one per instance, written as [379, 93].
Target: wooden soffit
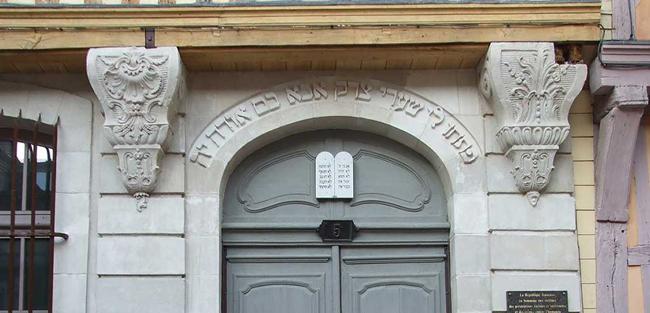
[438, 57]
[68, 28]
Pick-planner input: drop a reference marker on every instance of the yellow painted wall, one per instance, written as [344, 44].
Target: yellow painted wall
[582, 141]
[643, 19]
[606, 17]
[634, 281]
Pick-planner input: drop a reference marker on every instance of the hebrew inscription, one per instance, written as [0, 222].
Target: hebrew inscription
[344, 186]
[328, 91]
[325, 175]
[334, 175]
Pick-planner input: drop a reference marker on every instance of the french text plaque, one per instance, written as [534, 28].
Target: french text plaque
[537, 302]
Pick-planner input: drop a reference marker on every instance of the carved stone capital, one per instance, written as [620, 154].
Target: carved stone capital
[139, 90]
[531, 96]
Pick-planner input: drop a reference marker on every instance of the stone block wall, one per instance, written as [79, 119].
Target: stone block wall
[167, 257]
[547, 232]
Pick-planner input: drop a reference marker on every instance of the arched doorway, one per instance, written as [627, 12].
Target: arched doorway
[275, 260]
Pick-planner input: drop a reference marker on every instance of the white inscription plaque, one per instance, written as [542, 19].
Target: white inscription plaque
[324, 175]
[344, 175]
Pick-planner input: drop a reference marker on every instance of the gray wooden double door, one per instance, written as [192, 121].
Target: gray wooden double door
[277, 263]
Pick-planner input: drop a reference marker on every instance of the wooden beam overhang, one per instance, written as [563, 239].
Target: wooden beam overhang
[620, 63]
[68, 28]
[619, 79]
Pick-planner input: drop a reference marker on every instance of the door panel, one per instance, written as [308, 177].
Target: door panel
[393, 185]
[392, 280]
[279, 280]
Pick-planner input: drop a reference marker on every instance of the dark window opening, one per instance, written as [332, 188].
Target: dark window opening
[27, 174]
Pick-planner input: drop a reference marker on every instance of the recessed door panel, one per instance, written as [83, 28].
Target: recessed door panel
[392, 280]
[392, 187]
[279, 280]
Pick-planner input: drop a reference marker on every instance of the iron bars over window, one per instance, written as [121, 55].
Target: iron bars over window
[27, 176]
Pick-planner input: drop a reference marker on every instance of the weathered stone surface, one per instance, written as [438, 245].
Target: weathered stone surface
[500, 180]
[73, 172]
[464, 245]
[492, 144]
[472, 293]
[175, 142]
[513, 212]
[147, 255]
[144, 248]
[140, 294]
[469, 214]
[69, 293]
[139, 90]
[531, 95]
[170, 181]
[203, 294]
[533, 251]
[165, 215]
[203, 255]
[72, 218]
[202, 214]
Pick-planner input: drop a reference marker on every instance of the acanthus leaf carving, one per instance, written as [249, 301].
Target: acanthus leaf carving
[531, 96]
[139, 90]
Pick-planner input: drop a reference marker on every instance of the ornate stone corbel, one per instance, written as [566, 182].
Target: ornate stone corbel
[139, 90]
[531, 96]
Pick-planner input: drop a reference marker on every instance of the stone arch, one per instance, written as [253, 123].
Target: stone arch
[317, 104]
[366, 105]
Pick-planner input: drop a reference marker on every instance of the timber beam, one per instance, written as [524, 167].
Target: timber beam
[270, 26]
[619, 82]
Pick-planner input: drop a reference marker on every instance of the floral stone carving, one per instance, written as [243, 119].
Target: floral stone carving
[531, 96]
[139, 90]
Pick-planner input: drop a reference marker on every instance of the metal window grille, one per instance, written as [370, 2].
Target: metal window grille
[27, 197]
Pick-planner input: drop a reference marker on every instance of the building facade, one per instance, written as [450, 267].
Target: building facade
[323, 156]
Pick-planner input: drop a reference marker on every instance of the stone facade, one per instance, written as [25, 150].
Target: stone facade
[510, 230]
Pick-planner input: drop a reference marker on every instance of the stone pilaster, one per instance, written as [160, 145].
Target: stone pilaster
[531, 96]
[139, 90]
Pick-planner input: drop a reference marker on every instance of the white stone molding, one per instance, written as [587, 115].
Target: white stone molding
[139, 90]
[531, 96]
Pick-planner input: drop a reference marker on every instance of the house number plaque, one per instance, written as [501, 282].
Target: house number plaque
[337, 230]
[537, 302]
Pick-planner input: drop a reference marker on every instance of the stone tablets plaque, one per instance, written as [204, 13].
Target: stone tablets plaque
[324, 175]
[537, 302]
[344, 175]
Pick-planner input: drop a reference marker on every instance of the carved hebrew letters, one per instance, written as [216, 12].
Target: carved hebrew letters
[325, 175]
[334, 175]
[138, 90]
[344, 175]
[326, 91]
[531, 96]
